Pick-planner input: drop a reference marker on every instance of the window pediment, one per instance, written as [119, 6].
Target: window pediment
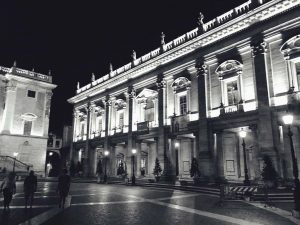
[181, 84]
[229, 68]
[120, 104]
[291, 48]
[29, 117]
[146, 93]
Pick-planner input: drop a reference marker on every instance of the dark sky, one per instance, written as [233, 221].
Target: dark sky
[76, 38]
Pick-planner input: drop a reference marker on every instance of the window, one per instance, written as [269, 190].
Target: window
[149, 111]
[121, 119]
[31, 94]
[232, 93]
[57, 144]
[27, 127]
[183, 105]
[82, 129]
[99, 123]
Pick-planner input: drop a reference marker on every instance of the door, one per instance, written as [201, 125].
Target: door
[230, 152]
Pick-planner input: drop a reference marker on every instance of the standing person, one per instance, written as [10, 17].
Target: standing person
[63, 187]
[8, 187]
[29, 187]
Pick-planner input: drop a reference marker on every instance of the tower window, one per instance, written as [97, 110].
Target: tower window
[31, 94]
[27, 127]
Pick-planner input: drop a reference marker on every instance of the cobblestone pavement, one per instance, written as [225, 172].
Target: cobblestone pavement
[118, 204]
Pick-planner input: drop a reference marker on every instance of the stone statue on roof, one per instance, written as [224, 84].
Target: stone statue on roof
[162, 38]
[93, 77]
[133, 55]
[201, 28]
[78, 85]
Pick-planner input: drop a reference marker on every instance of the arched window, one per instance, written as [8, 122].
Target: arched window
[181, 88]
[231, 83]
[291, 53]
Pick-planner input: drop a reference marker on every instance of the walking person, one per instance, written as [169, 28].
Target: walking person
[29, 187]
[8, 187]
[63, 187]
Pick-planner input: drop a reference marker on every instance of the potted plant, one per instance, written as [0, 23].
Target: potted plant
[269, 174]
[99, 171]
[194, 171]
[157, 170]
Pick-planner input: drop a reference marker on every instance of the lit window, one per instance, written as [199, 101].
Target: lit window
[149, 110]
[82, 129]
[100, 123]
[27, 127]
[31, 94]
[232, 93]
[183, 105]
[121, 119]
[57, 144]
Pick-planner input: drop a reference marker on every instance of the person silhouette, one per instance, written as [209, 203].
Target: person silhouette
[8, 187]
[63, 187]
[29, 187]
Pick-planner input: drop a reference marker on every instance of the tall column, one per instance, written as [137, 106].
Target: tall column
[220, 155]
[75, 121]
[203, 131]
[156, 112]
[161, 144]
[265, 132]
[107, 104]
[138, 158]
[8, 114]
[86, 171]
[130, 142]
[112, 159]
[48, 98]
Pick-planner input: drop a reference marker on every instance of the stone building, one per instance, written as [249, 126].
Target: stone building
[25, 99]
[193, 95]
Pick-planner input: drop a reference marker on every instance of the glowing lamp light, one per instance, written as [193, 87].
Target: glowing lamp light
[243, 133]
[288, 119]
[106, 153]
[15, 154]
[176, 144]
[133, 151]
[50, 153]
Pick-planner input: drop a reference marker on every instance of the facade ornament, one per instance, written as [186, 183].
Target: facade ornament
[78, 85]
[291, 48]
[161, 84]
[201, 69]
[49, 95]
[201, 26]
[181, 83]
[111, 69]
[133, 55]
[131, 93]
[229, 68]
[259, 48]
[162, 39]
[93, 77]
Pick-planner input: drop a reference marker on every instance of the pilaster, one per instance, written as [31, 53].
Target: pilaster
[265, 132]
[8, 114]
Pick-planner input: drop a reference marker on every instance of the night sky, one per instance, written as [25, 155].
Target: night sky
[77, 38]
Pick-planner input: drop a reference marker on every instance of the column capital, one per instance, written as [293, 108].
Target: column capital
[161, 83]
[201, 69]
[259, 48]
[253, 127]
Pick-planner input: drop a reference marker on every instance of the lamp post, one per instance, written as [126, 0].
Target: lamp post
[106, 153]
[243, 134]
[288, 120]
[133, 176]
[15, 157]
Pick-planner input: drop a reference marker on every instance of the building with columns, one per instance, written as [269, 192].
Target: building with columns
[25, 99]
[192, 96]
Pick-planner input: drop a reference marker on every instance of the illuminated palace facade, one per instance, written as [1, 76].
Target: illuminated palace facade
[192, 96]
[25, 100]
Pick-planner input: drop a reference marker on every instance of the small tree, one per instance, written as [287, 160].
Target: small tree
[99, 168]
[72, 168]
[194, 171]
[269, 174]
[121, 170]
[157, 169]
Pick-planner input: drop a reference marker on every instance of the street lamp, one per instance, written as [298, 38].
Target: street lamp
[133, 176]
[288, 120]
[243, 134]
[106, 153]
[15, 157]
